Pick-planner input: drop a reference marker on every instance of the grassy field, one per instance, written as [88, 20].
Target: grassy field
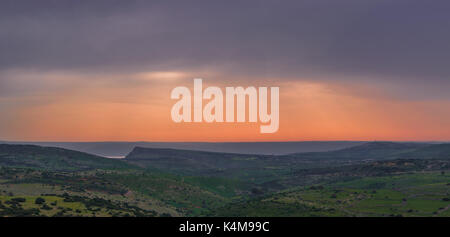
[66, 205]
[403, 195]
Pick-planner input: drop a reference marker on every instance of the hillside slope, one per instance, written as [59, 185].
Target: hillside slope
[52, 158]
[381, 151]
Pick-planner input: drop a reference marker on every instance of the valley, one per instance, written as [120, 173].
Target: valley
[373, 179]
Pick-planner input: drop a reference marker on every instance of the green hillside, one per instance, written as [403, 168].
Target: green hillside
[199, 163]
[52, 158]
[408, 195]
[380, 151]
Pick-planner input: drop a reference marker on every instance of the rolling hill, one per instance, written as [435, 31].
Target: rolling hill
[201, 162]
[57, 159]
[368, 151]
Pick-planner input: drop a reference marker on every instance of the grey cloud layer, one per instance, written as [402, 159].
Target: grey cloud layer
[397, 40]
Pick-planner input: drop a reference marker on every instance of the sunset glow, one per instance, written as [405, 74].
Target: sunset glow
[106, 111]
[344, 73]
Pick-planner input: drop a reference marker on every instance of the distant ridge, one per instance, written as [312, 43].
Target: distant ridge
[156, 153]
[192, 161]
[383, 151]
[206, 163]
[369, 150]
[121, 149]
[185, 161]
[438, 151]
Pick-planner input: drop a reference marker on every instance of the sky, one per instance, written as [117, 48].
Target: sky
[103, 70]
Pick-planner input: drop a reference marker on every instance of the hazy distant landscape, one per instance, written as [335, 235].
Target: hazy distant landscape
[364, 179]
[121, 149]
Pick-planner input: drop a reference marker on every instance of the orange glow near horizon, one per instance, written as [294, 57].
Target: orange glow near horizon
[141, 112]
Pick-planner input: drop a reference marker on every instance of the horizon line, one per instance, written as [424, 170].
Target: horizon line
[296, 141]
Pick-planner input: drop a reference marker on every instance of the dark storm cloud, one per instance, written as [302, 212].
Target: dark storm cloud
[394, 40]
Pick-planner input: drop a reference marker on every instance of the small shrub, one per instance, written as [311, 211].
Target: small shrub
[18, 200]
[39, 200]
